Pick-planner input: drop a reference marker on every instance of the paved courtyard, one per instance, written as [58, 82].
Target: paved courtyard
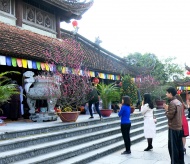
[159, 154]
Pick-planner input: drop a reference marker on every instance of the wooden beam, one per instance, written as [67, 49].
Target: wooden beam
[18, 12]
[58, 26]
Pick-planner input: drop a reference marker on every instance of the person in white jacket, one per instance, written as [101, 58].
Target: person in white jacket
[149, 124]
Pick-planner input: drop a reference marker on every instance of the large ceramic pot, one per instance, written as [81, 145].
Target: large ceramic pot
[106, 112]
[160, 103]
[69, 116]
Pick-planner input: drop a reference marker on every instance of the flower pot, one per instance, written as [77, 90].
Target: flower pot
[69, 116]
[159, 104]
[106, 112]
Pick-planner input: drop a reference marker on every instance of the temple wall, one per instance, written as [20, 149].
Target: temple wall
[7, 18]
[39, 31]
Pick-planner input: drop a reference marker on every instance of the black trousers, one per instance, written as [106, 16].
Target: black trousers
[125, 130]
[175, 146]
[96, 106]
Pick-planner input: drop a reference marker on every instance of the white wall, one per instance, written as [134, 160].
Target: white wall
[39, 31]
[7, 18]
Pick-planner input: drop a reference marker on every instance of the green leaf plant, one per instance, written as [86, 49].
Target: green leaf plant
[108, 93]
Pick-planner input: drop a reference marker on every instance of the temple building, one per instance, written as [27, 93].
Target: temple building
[29, 28]
[183, 85]
[31, 39]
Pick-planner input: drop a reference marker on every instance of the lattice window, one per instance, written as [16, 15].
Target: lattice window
[37, 16]
[7, 6]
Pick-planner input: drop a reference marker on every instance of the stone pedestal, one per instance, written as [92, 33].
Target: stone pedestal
[42, 117]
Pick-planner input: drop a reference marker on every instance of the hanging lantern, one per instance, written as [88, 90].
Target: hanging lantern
[178, 92]
[188, 72]
[75, 23]
[95, 80]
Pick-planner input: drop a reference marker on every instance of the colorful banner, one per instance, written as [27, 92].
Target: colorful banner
[16, 62]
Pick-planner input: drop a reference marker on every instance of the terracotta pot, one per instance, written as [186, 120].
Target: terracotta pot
[106, 112]
[159, 104]
[69, 116]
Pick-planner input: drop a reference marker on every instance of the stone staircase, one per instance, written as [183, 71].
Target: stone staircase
[69, 143]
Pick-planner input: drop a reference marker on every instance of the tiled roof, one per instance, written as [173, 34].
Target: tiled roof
[97, 57]
[23, 43]
[73, 6]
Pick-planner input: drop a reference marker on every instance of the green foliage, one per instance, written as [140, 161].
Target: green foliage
[108, 93]
[7, 89]
[163, 70]
[129, 88]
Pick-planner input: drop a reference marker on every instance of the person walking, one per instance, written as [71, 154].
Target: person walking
[94, 99]
[124, 113]
[185, 126]
[174, 115]
[149, 124]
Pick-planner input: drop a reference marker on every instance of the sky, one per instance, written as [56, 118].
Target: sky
[161, 27]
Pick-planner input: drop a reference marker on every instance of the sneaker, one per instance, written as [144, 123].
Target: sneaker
[126, 152]
[91, 117]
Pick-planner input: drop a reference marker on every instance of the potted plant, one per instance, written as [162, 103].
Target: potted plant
[74, 91]
[108, 93]
[159, 95]
[6, 89]
[74, 87]
[129, 88]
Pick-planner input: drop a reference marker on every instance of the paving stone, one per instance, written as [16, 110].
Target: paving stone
[141, 161]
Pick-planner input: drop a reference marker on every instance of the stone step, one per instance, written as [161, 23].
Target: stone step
[12, 144]
[40, 144]
[53, 128]
[162, 118]
[75, 151]
[94, 155]
[15, 143]
[159, 111]
[43, 138]
[41, 149]
[61, 126]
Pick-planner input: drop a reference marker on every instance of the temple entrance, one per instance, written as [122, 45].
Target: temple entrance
[17, 107]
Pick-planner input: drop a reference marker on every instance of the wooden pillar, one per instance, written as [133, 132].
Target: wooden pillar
[18, 12]
[58, 26]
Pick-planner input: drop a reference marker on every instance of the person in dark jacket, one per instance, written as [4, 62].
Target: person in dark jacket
[94, 99]
[124, 113]
[175, 133]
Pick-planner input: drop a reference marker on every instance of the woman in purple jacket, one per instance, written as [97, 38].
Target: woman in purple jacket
[124, 113]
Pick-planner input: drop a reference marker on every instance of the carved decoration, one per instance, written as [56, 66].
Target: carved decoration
[30, 14]
[48, 22]
[5, 6]
[39, 17]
